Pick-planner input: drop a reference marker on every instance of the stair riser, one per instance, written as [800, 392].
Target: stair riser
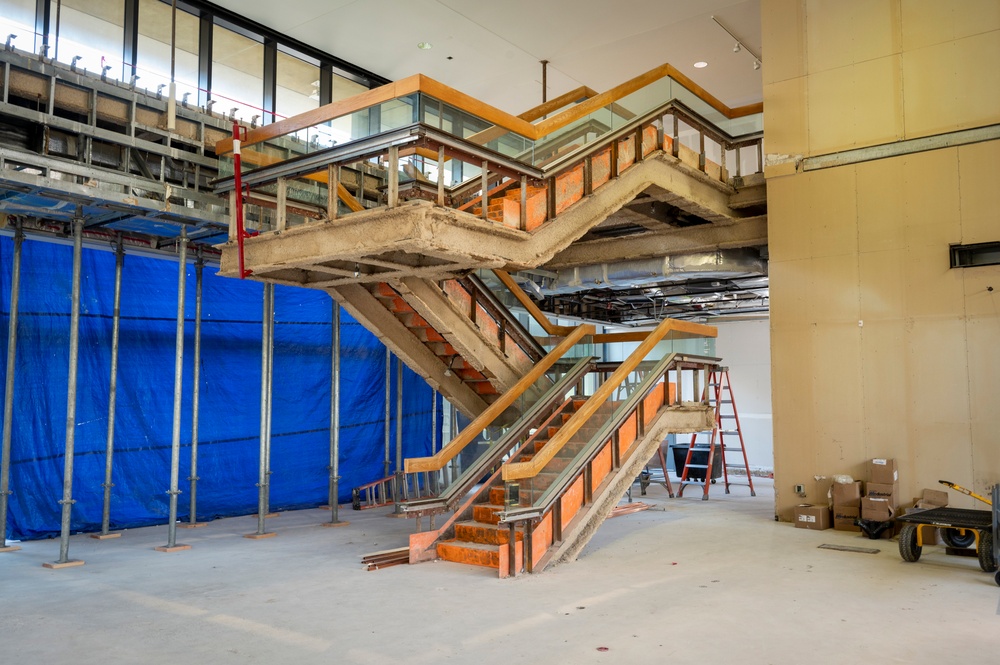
[455, 552]
[484, 534]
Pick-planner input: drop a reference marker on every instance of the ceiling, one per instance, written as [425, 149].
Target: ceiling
[492, 50]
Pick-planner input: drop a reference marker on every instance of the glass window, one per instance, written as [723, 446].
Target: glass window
[237, 73]
[153, 63]
[94, 30]
[297, 85]
[18, 18]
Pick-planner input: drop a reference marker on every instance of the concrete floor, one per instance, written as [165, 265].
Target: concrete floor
[685, 582]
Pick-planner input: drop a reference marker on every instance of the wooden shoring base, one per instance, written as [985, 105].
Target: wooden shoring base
[269, 516]
[395, 514]
[191, 525]
[258, 536]
[56, 565]
[105, 536]
[175, 548]
[341, 523]
[9, 548]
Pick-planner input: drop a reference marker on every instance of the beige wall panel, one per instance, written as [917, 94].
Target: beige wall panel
[786, 119]
[831, 110]
[882, 286]
[837, 396]
[936, 371]
[940, 450]
[834, 296]
[787, 220]
[783, 30]
[792, 297]
[878, 101]
[928, 22]
[984, 370]
[880, 205]
[973, 17]
[886, 404]
[978, 167]
[985, 457]
[931, 198]
[830, 197]
[932, 288]
[978, 80]
[844, 32]
[979, 300]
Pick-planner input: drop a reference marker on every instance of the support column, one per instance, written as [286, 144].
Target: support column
[199, 268]
[109, 449]
[74, 352]
[401, 489]
[388, 396]
[175, 440]
[8, 396]
[266, 356]
[334, 495]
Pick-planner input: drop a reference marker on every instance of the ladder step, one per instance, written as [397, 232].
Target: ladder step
[696, 466]
[727, 415]
[729, 431]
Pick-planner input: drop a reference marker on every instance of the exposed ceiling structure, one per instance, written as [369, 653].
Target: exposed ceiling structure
[493, 52]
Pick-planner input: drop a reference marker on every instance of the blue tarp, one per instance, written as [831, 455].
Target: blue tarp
[229, 420]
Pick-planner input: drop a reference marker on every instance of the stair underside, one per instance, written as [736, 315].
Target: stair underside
[420, 239]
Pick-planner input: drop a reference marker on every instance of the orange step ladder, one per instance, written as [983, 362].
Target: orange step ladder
[719, 393]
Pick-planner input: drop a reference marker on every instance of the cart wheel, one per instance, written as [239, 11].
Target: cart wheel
[908, 548]
[954, 538]
[987, 560]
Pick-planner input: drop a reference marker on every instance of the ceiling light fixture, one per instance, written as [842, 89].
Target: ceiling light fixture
[700, 64]
[425, 46]
[739, 46]
[756, 64]
[736, 48]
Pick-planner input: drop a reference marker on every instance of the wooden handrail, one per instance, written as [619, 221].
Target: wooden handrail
[465, 437]
[532, 467]
[528, 304]
[469, 104]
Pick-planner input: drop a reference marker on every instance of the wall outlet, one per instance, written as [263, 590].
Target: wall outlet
[800, 490]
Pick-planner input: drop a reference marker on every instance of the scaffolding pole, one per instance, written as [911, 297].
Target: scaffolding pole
[74, 354]
[8, 396]
[334, 495]
[109, 448]
[175, 437]
[266, 358]
[388, 388]
[199, 267]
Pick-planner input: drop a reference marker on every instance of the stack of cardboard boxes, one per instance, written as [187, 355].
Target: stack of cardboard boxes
[881, 501]
[846, 505]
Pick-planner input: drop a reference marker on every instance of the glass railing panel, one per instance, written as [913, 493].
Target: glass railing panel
[577, 134]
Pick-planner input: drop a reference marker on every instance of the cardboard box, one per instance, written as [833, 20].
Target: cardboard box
[932, 499]
[880, 491]
[875, 508]
[847, 495]
[844, 516]
[883, 471]
[808, 516]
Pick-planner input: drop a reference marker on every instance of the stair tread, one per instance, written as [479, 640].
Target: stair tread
[486, 547]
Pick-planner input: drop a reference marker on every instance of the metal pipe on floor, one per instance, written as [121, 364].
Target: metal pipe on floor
[334, 498]
[199, 268]
[74, 355]
[265, 394]
[109, 448]
[388, 371]
[8, 396]
[175, 440]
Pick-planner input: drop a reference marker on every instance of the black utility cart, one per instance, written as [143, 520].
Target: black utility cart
[960, 529]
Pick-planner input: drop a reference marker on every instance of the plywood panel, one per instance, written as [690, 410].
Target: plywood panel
[977, 72]
[786, 118]
[787, 220]
[936, 367]
[983, 353]
[886, 404]
[830, 199]
[877, 93]
[882, 286]
[978, 166]
[985, 455]
[791, 291]
[792, 399]
[980, 301]
[831, 110]
[783, 30]
[932, 288]
[880, 204]
[835, 296]
[931, 199]
[938, 450]
[927, 22]
[850, 31]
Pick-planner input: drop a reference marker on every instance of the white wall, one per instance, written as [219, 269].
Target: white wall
[745, 348]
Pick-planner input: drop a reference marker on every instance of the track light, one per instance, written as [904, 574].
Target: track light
[736, 48]
[76, 59]
[756, 64]
[10, 42]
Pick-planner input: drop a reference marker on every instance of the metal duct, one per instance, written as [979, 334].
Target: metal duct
[721, 264]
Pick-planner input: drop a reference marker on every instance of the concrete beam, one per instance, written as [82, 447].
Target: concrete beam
[370, 313]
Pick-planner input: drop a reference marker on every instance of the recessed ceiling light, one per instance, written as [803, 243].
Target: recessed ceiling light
[700, 64]
[425, 46]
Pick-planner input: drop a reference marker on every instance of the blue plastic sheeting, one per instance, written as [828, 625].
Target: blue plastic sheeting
[229, 418]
